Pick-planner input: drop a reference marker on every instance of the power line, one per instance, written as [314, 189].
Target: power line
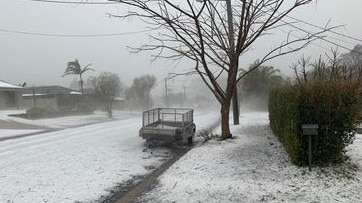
[289, 33]
[127, 33]
[341, 40]
[321, 38]
[323, 29]
[74, 2]
[319, 27]
[70, 35]
[115, 2]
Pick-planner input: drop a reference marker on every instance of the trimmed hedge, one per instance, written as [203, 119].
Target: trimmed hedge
[334, 106]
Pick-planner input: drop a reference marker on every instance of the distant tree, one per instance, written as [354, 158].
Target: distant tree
[107, 87]
[74, 68]
[257, 84]
[352, 64]
[176, 99]
[140, 90]
[260, 79]
[337, 66]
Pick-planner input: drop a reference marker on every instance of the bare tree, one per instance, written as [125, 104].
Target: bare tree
[107, 87]
[300, 69]
[214, 39]
[352, 64]
[347, 67]
[140, 90]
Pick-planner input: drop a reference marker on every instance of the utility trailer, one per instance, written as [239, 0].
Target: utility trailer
[168, 124]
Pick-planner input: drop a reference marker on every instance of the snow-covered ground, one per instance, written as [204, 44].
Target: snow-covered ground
[77, 164]
[5, 133]
[56, 123]
[254, 167]
[67, 121]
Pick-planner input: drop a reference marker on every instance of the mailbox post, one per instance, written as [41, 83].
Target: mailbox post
[310, 130]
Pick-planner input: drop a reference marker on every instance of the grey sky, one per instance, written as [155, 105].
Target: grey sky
[41, 60]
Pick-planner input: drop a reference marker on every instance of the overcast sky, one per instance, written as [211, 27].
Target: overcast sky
[41, 60]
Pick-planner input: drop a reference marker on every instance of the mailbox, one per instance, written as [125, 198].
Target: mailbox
[310, 129]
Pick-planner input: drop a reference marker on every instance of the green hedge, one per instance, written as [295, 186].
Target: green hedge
[284, 119]
[334, 106]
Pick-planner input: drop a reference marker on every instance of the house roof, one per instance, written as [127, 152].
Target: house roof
[52, 90]
[8, 86]
[120, 99]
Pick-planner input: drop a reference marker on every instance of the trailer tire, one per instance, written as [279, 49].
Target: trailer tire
[149, 143]
[190, 141]
[193, 128]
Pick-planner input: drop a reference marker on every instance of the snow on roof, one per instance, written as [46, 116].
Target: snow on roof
[51, 90]
[74, 92]
[5, 85]
[30, 95]
[119, 99]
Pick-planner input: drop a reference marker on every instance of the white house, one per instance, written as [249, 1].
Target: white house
[50, 97]
[9, 95]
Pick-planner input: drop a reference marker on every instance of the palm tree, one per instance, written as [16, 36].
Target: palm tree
[74, 68]
[260, 79]
[256, 85]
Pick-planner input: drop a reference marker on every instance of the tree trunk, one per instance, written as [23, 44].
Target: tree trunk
[225, 129]
[110, 114]
[147, 100]
[108, 107]
[81, 83]
[225, 104]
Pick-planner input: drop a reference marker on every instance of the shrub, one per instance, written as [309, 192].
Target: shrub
[334, 106]
[284, 119]
[35, 112]
[85, 108]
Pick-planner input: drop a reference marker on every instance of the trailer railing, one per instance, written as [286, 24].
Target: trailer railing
[164, 115]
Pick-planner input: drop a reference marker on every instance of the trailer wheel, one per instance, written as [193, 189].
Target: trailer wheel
[190, 141]
[148, 143]
[194, 128]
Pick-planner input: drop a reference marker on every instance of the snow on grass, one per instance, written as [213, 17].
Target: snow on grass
[67, 121]
[10, 133]
[55, 123]
[78, 164]
[254, 167]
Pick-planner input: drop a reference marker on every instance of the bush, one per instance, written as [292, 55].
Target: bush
[85, 108]
[35, 112]
[284, 120]
[334, 106]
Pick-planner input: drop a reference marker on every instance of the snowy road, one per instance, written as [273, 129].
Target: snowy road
[77, 164]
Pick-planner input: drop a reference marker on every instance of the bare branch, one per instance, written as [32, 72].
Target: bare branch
[203, 32]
